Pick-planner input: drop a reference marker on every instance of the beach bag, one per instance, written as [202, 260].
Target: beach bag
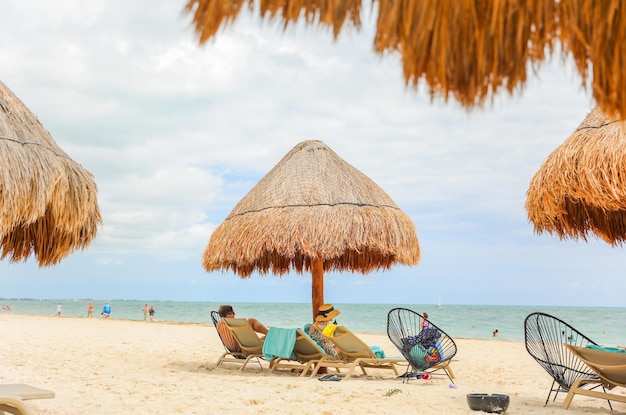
[418, 355]
[432, 355]
[329, 330]
[439, 350]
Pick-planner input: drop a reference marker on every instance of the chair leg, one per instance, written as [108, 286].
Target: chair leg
[219, 362]
[570, 394]
[350, 370]
[246, 362]
[406, 377]
[609, 402]
[550, 393]
[310, 365]
[450, 373]
[318, 366]
[14, 406]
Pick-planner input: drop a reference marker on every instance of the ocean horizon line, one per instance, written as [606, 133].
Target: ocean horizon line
[438, 305]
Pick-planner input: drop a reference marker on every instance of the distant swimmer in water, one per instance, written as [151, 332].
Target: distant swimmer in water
[7, 308]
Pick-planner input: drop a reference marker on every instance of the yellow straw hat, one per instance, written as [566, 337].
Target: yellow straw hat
[326, 313]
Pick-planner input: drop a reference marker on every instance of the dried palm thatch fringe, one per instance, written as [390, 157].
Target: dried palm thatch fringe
[581, 187]
[48, 204]
[210, 15]
[594, 32]
[311, 205]
[467, 49]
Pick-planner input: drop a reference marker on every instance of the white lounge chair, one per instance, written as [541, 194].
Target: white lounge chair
[12, 397]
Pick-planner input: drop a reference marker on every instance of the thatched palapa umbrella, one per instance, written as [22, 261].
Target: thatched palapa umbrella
[467, 49]
[581, 187]
[313, 211]
[48, 205]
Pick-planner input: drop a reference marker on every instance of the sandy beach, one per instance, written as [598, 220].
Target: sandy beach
[106, 366]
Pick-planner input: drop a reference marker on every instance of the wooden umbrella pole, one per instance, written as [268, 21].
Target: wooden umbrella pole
[317, 288]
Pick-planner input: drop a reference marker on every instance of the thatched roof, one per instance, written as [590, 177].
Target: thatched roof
[48, 205]
[581, 187]
[467, 49]
[313, 203]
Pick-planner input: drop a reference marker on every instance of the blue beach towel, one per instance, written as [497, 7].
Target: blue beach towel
[378, 351]
[279, 343]
[606, 349]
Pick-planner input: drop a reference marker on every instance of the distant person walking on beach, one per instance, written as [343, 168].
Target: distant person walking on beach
[145, 312]
[90, 309]
[151, 311]
[225, 333]
[106, 310]
[59, 309]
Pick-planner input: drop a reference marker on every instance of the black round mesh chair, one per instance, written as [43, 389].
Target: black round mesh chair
[427, 350]
[545, 337]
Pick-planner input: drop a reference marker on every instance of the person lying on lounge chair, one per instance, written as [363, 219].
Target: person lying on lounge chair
[226, 311]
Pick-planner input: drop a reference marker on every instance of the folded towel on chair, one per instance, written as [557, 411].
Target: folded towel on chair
[606, 349]
[279, 343]
[378, 351]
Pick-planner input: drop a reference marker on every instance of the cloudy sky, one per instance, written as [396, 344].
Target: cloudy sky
[176, 134]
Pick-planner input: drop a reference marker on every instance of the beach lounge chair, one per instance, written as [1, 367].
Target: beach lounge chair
[12, 397]
[355, 353]
[546, 338]
[427, 350]
[610, 368]
[227, 356]
[247, 339]
[304, 356]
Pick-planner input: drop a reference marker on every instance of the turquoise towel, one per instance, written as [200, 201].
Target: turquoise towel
[279, 343]
[380, 353]
[606, 349]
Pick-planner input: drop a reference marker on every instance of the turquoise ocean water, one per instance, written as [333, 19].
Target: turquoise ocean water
[604, 325]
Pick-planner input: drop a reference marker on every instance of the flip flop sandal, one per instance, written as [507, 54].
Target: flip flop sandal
[333, 378]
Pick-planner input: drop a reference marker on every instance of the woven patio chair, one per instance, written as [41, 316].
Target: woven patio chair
[546, 337]
[427, 350]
